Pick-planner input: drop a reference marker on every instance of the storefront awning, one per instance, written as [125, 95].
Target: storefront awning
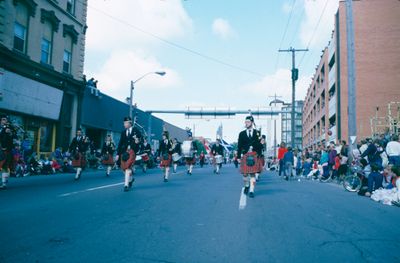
[28, 96]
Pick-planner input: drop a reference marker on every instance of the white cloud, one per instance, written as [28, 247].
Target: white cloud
[280, 83]
[222, 28]
[166, 19]
[123, 66]
[312, 13]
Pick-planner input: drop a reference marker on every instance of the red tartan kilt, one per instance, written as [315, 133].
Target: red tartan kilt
[260, 163]
[245, 169]
[190, 161]
[131, 161]
[145, 157]
[80, 162]
[109, 161]
[167, 162]
[6, 159]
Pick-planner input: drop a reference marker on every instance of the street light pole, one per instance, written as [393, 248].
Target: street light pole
[161, 73]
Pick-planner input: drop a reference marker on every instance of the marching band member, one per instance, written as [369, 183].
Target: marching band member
[248, 146]
[107, 154]
[191, 160]
[217, 149]
[176, 149]
[6, 145]
[261, 158]
[165, 154]
[146, 149]
[127, 149]
[78, 148]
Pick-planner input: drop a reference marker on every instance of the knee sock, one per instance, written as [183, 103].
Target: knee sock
[109, 169]
[78, 172]
[246, 181]
[166, 173]
[4, 178]
[127, 176]
[252, 184]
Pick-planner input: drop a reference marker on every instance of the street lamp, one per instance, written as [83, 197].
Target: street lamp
[161, 73]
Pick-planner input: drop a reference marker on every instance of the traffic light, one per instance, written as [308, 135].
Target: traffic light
[295, 74]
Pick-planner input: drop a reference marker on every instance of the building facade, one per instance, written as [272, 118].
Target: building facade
[42, 47]
[376, 27]
[286, 127]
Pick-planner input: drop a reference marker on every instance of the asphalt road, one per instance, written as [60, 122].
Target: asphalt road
[191, 219]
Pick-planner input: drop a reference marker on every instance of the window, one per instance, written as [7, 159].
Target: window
[19, 37]
[67, 61]
[46, 44]
[20, 27]
[71, 6]
[67, 58]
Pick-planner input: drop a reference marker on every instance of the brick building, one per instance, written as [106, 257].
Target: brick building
[377, 60]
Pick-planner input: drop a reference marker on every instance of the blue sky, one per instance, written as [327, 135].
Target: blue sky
[246, 34]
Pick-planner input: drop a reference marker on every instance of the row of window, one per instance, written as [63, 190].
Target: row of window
[20, 37]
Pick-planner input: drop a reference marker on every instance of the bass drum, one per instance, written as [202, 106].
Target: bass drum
[176, 157]
[218, 159]
[187, 150]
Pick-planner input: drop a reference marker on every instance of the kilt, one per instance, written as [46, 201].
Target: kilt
[260, 163]
[6, 163]
[190, 160]
[245, 169]
[145, 157]
[109, 161]
[166, 162]
[130, 162]
[80, 162]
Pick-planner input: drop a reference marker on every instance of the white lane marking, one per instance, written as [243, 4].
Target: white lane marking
[243, 200]
[90, 189]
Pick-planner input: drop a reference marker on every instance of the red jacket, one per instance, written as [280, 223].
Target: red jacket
[281, 152]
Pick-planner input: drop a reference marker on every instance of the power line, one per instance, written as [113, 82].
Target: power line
[314, 31]
[178, 46]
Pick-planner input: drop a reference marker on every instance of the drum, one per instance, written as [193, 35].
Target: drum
[138, 158]
[218, 159]
[145, 157]
[176, 157]
[187, 150]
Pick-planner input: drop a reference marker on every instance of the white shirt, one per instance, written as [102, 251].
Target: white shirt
[393, 148]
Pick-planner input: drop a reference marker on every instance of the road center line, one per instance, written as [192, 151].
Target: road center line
[243, 200]
[90, 189]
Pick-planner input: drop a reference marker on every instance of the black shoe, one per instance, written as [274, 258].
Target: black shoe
[165, 180]
[190, 173]
[246, 190]
[251, 195]
[3, 187]
[286, 178]
[126, 188]
[215, 171]
[131, 182]
[77, 178]
[107, 174]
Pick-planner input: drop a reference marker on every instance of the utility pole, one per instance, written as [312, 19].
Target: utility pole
[351, 78]
[275, 101]
[295, 76]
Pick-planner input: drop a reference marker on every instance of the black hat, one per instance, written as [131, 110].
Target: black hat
[189, 134]
[166, 134]
[250, 118]
[127, 119]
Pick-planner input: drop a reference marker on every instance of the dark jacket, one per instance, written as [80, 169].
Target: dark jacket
[129, 141]
[288, 157]
[78, 145]
[217, 150]
[244, 142]
[165, 147]
[108, 149]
